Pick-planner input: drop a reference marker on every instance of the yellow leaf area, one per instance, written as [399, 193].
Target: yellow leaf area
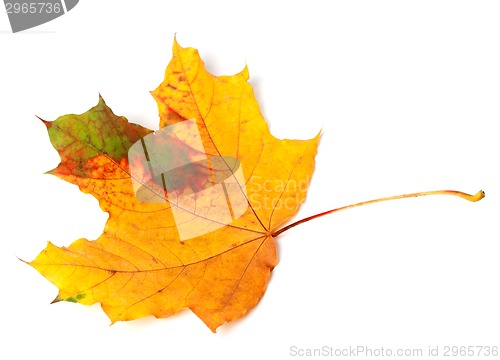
[140, 266]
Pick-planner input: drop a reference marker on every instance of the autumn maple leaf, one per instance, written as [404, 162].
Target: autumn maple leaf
[194, 208]
[139, 266]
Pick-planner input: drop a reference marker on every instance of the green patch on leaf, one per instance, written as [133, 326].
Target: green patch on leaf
[75, 298]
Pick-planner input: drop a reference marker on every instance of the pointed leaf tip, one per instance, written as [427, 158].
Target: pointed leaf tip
[245, 73]
[101, 100]
[48, 124]
[176, 43]
[56, 300]
[24, 261]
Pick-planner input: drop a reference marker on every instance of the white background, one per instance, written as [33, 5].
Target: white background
[407, 95]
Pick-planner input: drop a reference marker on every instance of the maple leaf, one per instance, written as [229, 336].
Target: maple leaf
[194, 207]
[139, 266]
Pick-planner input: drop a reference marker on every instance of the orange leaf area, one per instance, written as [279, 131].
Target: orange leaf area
[185, 242]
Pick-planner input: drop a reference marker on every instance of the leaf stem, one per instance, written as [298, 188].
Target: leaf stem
[465, 196]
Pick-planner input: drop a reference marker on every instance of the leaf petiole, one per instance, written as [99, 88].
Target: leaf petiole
[465, 196]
